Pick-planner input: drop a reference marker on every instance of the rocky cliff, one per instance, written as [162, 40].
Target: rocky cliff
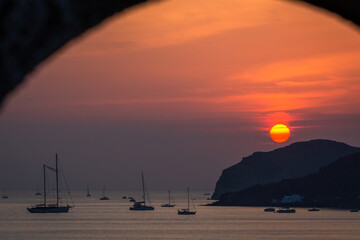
[293, 161]
[336, 185]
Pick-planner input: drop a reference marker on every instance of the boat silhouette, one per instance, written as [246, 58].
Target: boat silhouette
[186, 211]
[141, 206]
[47, 207]
[169, 203]
[104, 197]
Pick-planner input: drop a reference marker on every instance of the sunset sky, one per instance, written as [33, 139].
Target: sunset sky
[182, 89]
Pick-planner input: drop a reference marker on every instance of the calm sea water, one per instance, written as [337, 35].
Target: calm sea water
[95, 219]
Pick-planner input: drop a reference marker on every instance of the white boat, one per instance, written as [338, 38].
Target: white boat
[141, 206]
[169, 204]
[46, 207]
[186, 211]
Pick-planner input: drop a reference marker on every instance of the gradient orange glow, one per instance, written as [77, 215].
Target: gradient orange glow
[279, 133]
[257, 61]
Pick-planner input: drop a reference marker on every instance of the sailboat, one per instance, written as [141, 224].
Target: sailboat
[142, 205]
[186, 211]
[169, 204]
[104, 197]
[4, 196]
[88, 191]
[46, 207]
[206, 193]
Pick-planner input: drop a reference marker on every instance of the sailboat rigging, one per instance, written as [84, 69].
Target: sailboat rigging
[104, 197]
[4, 196]
[169, 204]
[88, 191]
[206, 193]
[186, 211]
[46, 207]
[142, 205]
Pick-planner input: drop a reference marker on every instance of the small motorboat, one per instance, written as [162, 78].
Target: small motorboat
[286, 210]
[270, 209]
[313, 210]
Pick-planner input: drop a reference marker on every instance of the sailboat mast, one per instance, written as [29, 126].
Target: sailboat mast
[188, 198]
[57, 180]
[169, 197]
[143, 186]
[44, 167]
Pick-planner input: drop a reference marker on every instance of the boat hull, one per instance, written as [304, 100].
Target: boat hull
[168, 205]
[286, 211]
[269, 210]
[49, 209]
[142, 208]
[182, 212]
[313, 210]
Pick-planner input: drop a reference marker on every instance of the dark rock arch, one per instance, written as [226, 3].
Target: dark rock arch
[30, 31]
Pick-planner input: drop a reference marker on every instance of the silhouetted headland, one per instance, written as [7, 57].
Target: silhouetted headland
[293, 161]
[334, 186]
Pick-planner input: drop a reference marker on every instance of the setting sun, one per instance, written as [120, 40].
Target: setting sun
[280, 133]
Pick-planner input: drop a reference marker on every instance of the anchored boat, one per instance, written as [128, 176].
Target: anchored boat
[141, 206]
[47, 207]
[104, 197]
[169, 204]
[186, 211]
[88, 191]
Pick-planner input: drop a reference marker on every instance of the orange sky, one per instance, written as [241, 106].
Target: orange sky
[222, 67]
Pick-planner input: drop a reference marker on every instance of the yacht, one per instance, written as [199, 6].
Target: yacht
[104, 197]
[45, 206]
[169, 204]
[186, 211]
[141, 206]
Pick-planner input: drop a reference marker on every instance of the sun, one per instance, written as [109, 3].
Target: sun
[280, 133]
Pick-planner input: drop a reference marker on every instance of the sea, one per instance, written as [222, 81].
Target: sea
[112, 219]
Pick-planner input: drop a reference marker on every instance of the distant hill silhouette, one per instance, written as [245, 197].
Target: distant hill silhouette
[336, 185]
[293, 161]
